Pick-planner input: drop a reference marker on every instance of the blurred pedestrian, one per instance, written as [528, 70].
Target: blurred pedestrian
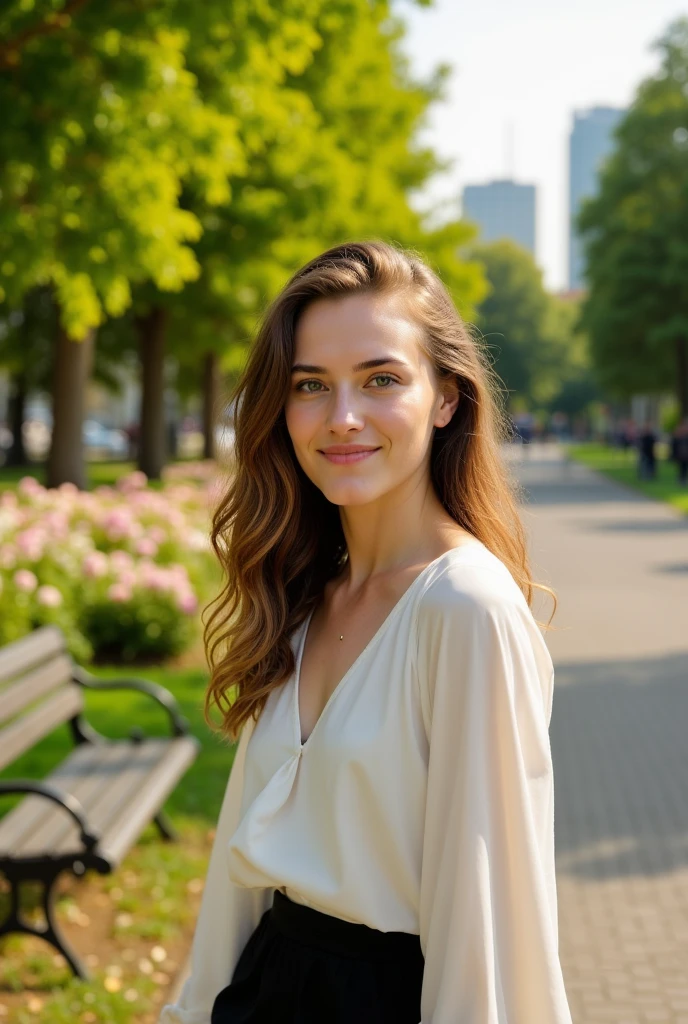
[627, 435]
[647, 459]
[679, 450]
[132, 434]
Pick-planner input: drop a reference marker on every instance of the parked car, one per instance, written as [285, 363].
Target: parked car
[104, 439]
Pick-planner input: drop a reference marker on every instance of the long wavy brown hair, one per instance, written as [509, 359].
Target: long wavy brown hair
[277, 537]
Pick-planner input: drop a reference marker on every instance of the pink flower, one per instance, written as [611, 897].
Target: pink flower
[127, 577]
[31, 543]
[49, 596]
[117, 524]
[24, 579]
[119, 592]
[155, 579]
[132, 481]
[147, 547]
[120, 559]
[8, 557]
[187, 602]
[95, 564]
[28, 486]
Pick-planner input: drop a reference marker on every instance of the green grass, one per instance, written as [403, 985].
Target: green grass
[151, 898]
[622, 467]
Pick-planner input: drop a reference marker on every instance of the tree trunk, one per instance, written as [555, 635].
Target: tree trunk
[71, 373]
[211, 397]
[18, 393]
[682, 374]
[152, 442]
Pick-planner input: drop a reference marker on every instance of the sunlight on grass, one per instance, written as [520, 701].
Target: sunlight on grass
[621, 466]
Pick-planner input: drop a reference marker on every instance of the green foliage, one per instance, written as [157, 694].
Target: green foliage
[191, 156]
[147, 626]
[332, 157]
[530, 334]
[145, 148]
[636, 234]
[103, 124]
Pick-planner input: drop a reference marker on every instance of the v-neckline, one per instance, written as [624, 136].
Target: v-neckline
[386, 621]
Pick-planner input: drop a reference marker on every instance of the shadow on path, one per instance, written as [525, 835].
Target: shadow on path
[619, 735]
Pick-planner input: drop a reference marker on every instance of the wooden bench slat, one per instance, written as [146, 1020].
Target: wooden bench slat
[125, 830]
[121, 786]
[119, 774]
[26, 731]
[38, 825]
[24, 654]
[19, 823]
[121, 791]
[35, 684]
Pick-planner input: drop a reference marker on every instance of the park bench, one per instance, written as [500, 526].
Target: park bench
[89, 811]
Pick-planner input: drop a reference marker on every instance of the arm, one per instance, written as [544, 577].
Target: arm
[488, 905]
[228, 914]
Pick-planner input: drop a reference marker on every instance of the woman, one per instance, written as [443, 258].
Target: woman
[385, 849]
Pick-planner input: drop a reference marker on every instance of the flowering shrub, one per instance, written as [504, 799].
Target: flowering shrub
[121, 570]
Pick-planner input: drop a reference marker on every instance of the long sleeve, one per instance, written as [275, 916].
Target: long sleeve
[488, 903]
[228, 915]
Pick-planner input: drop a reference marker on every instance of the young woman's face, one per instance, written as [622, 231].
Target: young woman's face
[389, 405]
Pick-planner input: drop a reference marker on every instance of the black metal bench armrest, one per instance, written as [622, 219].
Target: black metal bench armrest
[180, 726]
[89, 837]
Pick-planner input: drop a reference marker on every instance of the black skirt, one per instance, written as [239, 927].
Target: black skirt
[303, 967]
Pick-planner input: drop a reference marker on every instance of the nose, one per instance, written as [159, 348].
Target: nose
[343, 411]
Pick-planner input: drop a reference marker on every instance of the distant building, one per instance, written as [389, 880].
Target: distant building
[590, 143]
[502, 209]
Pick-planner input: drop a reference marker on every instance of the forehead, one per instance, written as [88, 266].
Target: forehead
[355, 323]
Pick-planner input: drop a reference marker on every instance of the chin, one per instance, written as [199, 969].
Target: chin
[350, 495]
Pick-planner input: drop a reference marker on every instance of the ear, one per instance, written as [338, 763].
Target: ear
[448, 401]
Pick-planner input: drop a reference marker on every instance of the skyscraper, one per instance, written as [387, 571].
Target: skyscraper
[590, 143]
[502, 209]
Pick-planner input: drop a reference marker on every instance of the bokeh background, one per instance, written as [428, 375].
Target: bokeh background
[165, 166]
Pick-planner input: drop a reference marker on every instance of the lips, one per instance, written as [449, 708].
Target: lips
[342, 455]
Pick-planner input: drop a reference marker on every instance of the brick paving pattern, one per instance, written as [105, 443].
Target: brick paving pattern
[619, 733]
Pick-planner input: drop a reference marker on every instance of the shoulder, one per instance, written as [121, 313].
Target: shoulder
[470, 582]
[472, 616]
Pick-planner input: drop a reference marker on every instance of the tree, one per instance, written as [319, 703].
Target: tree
[187, 158]
[635, 232]
[525, 329]
[102, 125]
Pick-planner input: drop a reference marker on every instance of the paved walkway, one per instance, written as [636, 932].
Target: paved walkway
[619, 733]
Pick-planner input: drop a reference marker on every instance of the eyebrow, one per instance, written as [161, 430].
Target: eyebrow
[367, 364]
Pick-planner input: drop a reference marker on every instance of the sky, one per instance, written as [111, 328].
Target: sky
[521, 67]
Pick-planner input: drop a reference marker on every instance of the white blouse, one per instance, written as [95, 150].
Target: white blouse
[422, 801]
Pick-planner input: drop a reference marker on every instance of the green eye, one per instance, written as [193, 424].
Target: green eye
[302, 385]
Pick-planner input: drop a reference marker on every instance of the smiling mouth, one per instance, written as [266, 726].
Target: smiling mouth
[344, 458]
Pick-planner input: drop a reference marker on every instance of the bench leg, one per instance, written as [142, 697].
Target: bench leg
[165, 827]
[16, 923]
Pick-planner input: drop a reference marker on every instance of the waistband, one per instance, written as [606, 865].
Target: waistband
[345, 938]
